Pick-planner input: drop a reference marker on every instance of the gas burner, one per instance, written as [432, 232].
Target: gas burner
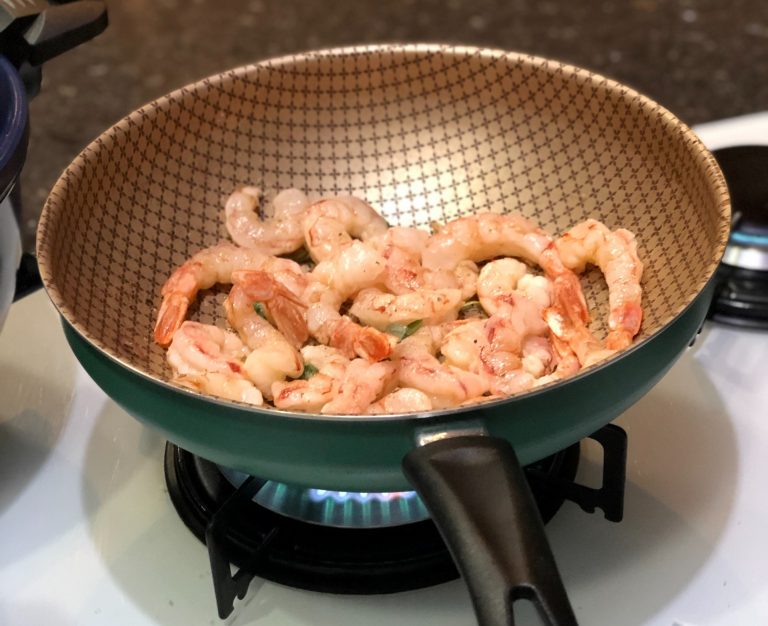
[339, 542]
[741, 292]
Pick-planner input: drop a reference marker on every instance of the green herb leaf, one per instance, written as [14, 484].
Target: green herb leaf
[300, 256]
[401, 331]
[309, 371]
[472, 308]
[259, 308]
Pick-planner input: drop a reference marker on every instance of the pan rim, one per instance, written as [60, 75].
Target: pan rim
[696, 146]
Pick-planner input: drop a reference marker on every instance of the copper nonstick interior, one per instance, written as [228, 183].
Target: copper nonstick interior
[423, 132]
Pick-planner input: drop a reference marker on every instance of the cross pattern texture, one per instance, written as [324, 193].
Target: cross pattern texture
[422, 132]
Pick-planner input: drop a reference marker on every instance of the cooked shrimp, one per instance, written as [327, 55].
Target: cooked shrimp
[273, 357]
[537, 356]
[278, 235]
[379, 309]
[209, 359]
[463, 276]
[330, 224]
[567, 363]
[317, 390]
[418, 368]
[615, 253]
[538, 289]
[497, 280]
[488, 235]
[426, 339]
[401, 247]
[305, 395]
[445, 385]
[511, 373]
[484, 236]
[363, 383]
[203, 270]
[281, 306]
[204, 348]
[508, 351]
[356, 267]
[403, 400]
[223, 386]
[572, 332]
[328, 326]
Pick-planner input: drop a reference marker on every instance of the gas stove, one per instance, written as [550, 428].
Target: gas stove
[91, 535]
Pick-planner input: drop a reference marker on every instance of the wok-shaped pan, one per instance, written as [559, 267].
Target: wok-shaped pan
[423, 133]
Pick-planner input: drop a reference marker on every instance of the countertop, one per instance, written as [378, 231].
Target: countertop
[702, 60]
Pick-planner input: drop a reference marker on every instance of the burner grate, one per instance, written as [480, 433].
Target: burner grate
[261, 542]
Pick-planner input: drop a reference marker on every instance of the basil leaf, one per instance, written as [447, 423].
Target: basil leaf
[300, 256]
[472, 308]
[401, 331]
[309, 371]
[259, 308]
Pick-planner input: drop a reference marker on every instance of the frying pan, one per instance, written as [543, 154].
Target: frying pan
[423, 132]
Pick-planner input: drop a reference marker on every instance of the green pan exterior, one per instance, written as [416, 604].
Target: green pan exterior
[364, 455]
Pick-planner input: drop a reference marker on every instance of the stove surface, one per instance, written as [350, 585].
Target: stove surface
[91, 537]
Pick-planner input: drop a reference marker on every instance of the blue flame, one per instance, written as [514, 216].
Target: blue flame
[320, 495]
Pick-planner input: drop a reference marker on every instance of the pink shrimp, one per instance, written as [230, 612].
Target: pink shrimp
[330, 224]
[204, 270]
[282, 307]
[279, 234]
[363, 383]
[328, 326]
[209, 359]
[615, 253]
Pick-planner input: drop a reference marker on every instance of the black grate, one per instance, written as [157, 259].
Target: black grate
[260, 542]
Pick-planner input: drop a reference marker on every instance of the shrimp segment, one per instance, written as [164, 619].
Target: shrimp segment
[279, 235]
[335, 280]
[487, 235]
[204, 270]
[501, 284]
[330, 225]
[273, 357]
[380, 309]
[362, 384]
[403, 400]
[318, 390]
[444, 385]
[281, 305]
[615, 253]
[328, 326]
[484, 236]
[209, 359]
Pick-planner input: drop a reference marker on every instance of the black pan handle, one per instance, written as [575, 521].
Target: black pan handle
[478, 496]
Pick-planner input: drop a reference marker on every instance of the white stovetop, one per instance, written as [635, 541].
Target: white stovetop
[88, 535]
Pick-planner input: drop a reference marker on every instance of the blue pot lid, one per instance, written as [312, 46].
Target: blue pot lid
[14, 128]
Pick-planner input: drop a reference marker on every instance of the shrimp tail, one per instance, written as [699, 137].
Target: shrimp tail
[290, 319]
[624, 323]
[363, 341]
[286, 311]
[172, 312]
[570, 297]
[372, 344]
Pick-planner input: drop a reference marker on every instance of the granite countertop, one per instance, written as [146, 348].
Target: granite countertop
[703, 60]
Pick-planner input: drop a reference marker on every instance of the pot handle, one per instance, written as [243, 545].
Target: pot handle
[477, 494]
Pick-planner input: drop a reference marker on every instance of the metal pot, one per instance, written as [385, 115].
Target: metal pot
[14, 130]
[30, 34]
